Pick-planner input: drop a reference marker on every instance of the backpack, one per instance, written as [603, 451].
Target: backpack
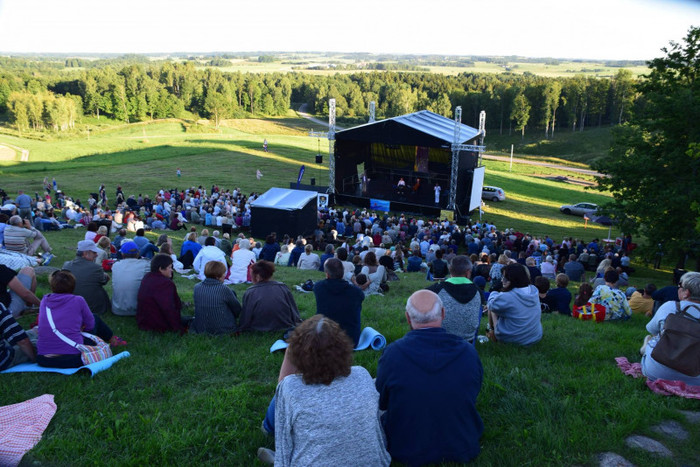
[679, 345]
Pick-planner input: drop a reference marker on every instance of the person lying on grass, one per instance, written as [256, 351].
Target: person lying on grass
[514, 313]
[325, 410]
[71, 315]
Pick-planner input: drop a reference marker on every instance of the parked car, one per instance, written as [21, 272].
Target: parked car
[580, 209]
[493, 193]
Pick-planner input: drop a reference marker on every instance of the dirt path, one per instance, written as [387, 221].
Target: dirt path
[304, 114]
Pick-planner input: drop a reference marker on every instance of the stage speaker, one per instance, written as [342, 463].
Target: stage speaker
[319, 159]
[313, 181]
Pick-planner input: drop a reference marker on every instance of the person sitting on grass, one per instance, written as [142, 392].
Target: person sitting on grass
[585, 291]
[17, 289]
[127, 275]
[438, 267]
[159, 305]
[216, 307]
[15, 345]
[308, 260]
[642, 302]
[376, 275]
[542, 285]
[322, 398]
[514, 313]
[559, 298]
[688, 303]
[90, 278]
[613, 299]
[68, 314]
[189, 250]
[206, 255]
[461, 299]
[267, 305]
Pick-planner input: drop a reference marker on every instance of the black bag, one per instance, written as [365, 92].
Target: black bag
[679, 345]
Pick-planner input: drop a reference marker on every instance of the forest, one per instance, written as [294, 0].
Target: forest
[43, 95]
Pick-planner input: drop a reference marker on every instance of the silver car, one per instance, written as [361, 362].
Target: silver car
[580, 209]
[493, 193]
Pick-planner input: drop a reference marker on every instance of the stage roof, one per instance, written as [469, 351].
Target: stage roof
[426, 122]
[284, 199]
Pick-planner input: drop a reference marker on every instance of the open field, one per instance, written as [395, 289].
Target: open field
[199, 400]
[562, 68]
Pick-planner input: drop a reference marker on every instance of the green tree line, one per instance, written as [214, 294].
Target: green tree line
[139, 91]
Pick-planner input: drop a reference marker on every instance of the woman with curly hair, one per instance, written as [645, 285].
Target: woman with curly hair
[325, 410]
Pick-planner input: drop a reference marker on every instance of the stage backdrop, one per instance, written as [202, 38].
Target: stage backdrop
[291, 212]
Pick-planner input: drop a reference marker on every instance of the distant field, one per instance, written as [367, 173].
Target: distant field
[562, 69]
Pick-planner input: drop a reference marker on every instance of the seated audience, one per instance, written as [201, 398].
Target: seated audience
[438, 267]
[282, 256]
[309, 260]
[207, 254]
[324, 399]
[548, 268]
[241, 260]
[688, 303]
[189, 250]
[267, 305]
[67, 314]
[542, 286]
[216, 307]
[339, 300]
[575, 269]
[19, 233]
[127, 274]
[514, 313]
[559, 298]
[159, 305]
[428, 382]
[376, 275]
[296, 253]
[642, 302]
[613, 299]
[90, 279]
[15, 345]
[17, 289]
[461, 299]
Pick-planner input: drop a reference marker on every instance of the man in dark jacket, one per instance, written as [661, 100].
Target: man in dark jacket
[444, 426]
[339, 300]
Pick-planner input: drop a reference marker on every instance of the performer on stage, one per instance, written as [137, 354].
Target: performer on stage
[402, 182]
[437, 189]
[416, 186]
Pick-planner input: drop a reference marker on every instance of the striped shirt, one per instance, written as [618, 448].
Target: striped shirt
[11, 333]
[16, 238]
[216, 308]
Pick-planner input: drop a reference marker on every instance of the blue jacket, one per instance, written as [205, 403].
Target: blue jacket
[428, 382]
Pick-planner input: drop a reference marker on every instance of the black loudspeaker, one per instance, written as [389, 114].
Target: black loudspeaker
[313, 182]
[319, 159]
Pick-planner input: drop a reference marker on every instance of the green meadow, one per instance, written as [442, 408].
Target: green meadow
[200, 400]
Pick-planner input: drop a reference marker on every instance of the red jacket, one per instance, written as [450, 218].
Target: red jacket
[159, 305]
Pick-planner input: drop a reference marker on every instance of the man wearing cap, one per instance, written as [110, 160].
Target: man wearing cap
[428, 382]
[89, 277]
[126, 279]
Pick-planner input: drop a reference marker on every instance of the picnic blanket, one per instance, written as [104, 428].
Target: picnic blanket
[659, 386]
[93, 368]
[368, 338]
[21, 427]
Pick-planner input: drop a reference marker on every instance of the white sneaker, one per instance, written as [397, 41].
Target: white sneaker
[266, 456]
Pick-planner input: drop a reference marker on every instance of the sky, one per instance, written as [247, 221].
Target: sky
[584, 29]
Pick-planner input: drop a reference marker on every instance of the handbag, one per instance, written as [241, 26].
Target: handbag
[589, 311]
[679, 345]
[88, 353]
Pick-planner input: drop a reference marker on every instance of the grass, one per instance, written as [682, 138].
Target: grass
[200, 400]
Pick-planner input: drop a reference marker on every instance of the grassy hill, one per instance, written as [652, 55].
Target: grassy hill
[199, 400]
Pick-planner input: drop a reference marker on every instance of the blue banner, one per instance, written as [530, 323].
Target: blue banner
[379, 205]
[301, 174]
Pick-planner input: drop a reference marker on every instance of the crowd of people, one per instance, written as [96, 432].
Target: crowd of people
[471, 272]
